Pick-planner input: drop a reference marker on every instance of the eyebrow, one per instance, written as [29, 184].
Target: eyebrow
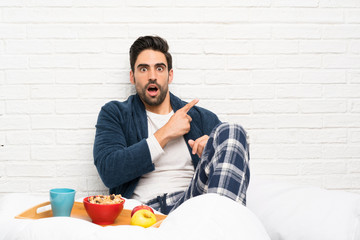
[147, 65]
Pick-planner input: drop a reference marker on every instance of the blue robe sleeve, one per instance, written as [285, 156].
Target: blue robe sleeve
[117, 160]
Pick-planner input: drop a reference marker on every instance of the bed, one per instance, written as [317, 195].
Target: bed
[275, 210]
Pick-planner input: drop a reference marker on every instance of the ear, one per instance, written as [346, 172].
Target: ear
[171, 75]
[132, 78]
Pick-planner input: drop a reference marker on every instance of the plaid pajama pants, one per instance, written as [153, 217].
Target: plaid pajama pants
[223, 169]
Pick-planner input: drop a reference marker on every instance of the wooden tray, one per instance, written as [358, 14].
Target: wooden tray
[79, 211]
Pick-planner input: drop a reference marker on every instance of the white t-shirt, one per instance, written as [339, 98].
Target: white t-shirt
[173, 167]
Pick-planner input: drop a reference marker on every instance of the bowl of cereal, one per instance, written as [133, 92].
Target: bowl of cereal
[104, 209]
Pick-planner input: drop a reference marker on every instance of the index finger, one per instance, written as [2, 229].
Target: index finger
[188, 106]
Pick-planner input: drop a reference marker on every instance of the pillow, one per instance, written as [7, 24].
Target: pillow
[304, 213]
[13, 204]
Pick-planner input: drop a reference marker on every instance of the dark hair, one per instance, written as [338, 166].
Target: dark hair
[149, 42]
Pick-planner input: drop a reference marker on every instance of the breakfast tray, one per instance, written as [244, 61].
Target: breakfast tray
[79, 211]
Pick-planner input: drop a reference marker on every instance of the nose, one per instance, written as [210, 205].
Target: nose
[152, 74]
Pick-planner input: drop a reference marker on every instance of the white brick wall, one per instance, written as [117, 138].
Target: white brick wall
[288, 71]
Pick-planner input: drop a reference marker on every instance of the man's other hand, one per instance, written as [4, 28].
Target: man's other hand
[198, 145]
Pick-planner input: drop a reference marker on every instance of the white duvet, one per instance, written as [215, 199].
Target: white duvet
[275, 210]
[205, 217]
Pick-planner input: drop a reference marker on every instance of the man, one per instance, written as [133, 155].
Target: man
[162, 151]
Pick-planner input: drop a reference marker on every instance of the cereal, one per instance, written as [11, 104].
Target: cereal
[106, 200]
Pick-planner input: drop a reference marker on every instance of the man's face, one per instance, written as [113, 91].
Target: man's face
[151, 77]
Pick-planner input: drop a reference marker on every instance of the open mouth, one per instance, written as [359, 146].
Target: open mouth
[152, 89]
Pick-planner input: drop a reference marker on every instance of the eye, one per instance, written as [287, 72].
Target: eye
[143, 69]
[160, 68]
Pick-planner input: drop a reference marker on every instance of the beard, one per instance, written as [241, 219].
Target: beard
[149, 100]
